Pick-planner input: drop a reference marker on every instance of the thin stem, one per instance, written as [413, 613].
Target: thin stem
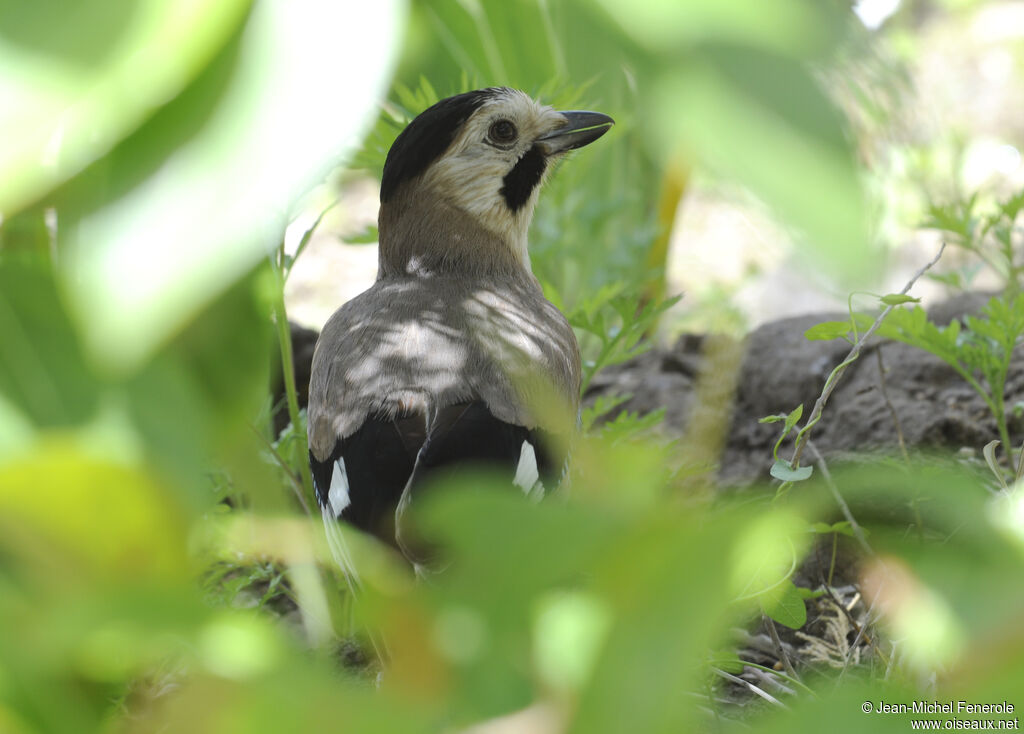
[307, 236]
[294, 480]
[991, 401]
[858, 533]
[783, 656]
[284, 338]
[999, 399]
[606, 348]
[990, 262]
[892, 409]
[832, 561]
[750, 687]
[837, 373]
[776, 673]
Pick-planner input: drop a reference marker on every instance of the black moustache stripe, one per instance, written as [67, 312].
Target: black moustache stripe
[520, 182]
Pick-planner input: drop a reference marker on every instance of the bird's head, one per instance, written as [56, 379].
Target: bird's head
[461, 181]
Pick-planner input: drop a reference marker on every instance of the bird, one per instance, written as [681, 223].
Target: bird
[453, 357]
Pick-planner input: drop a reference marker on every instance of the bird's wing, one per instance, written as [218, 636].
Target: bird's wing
[396, 349]
[411, 377]
[366, 472]
[469, 435]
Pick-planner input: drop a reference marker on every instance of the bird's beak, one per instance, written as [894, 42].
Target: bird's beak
[581, 128]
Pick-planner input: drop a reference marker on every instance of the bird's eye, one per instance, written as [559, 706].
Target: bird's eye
[502, 131]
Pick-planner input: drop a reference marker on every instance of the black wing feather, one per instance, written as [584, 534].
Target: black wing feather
[380, 457]
[476, 437]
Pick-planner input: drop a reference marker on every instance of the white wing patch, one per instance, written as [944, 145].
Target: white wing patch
[337, 500]
[338, 497]
[527, 475]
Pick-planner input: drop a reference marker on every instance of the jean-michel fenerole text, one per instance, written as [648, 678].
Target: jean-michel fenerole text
[943, 707]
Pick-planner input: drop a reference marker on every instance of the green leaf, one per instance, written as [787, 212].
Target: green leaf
[829, 330]
[568, 633]
[628, 425]
[740, 111]
[659, 640]
[790, 421]
[43, 372]
[821, 528]
[957, 217]
[602, 405]
[785, 605]
[197, 397]
[496, 534]
[64, 69]
[783, 26]
[368, 236]
[896, 299]
[783, 470]
[146, 242]
[960, 564]
[793, 417]
[27, 233]
[1013, 205]
[116, 523]
[766, 553]
[845, 527]
[953, 280]
[989, 452]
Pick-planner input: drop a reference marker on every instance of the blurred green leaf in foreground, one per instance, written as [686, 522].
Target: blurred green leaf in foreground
[188, 157]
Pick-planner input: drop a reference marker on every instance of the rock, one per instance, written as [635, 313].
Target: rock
[929, 402]
[660, 378]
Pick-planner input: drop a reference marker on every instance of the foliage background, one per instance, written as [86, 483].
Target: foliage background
[152, 157]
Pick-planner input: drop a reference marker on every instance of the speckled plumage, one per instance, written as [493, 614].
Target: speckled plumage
[416, 344]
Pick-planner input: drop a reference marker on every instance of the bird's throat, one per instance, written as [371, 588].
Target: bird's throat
[425, 234]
